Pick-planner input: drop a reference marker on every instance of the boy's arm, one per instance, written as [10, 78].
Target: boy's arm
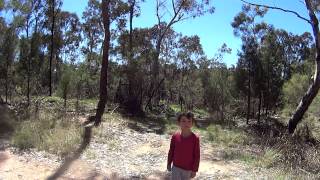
[170, 153]
[196, 155]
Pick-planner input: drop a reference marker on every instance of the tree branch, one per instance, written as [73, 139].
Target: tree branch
[314, 23]
[281, 9]
[158, 16]
[174, 7]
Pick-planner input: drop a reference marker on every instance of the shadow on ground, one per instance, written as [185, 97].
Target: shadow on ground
[7, 121]
[68, 161]
[148, 124]
[155, 176]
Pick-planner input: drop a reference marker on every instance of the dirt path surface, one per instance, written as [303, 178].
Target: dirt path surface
[118, 152]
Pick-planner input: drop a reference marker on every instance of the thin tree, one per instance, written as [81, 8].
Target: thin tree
[133, 104]
[52, 46]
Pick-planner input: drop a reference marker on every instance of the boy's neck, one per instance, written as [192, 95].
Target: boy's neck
[186, 132]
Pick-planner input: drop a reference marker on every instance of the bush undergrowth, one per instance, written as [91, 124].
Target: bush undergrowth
[57, 136]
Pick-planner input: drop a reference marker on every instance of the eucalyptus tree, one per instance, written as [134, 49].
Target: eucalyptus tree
[251, 32]
[312, 7]
[178, 11]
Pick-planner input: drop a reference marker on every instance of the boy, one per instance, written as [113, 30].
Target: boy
[184, 150]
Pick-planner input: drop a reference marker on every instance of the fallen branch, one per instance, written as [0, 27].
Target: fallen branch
[114, 109]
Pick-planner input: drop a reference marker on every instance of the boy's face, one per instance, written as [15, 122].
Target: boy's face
[185, 123]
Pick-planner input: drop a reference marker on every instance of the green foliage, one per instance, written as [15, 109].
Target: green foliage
[226, 137]
[294, 89]
[66, 83]
[239, 155]
[28, 136]
[53, 99]
[62, 139]
[283, 174]
[244, 23]
[58, 136]
[201, 112]
[268, 159]
[175, 107]
[217, 88]
[2, 4]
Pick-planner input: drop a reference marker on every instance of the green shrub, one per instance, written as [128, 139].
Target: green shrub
[27, 136]
[58, 136]
[238, 155]
[176, 108]
[61, 140]
[269, 158]
[228, 137]
[293, 90]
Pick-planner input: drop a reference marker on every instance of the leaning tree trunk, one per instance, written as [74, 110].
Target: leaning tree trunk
[315, 85]
[105, 60]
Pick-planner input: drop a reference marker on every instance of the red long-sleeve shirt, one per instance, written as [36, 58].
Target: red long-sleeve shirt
[185, 152]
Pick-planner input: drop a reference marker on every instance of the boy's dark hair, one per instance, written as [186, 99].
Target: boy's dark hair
[188, 115]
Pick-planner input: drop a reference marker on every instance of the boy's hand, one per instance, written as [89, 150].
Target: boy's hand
[169, 167]
[193, 174]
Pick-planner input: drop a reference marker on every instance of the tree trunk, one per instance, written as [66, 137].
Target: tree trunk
[65, 102]
[315, 86]
[155, 72]
[152, 94]
[131, 29]
[268, 88]
[51, 50]
[78, 96]
[181, 99]
[7, 76]
[306, 99]
[29, 64]
[260, 102]
[249, 95]
[160, 35]
[223, 102]
[105, 5]
[133, 103]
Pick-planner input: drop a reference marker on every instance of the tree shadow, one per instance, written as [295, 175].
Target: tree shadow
[158, 175]
[72, 157]
[7, 121]
[147, 125]
[115, 176]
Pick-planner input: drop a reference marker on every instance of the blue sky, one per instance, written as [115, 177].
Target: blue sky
[215, 29]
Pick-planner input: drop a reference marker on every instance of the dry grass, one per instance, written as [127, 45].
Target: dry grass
[53, 134]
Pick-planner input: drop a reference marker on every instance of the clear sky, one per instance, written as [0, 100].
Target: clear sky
[215, 29]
